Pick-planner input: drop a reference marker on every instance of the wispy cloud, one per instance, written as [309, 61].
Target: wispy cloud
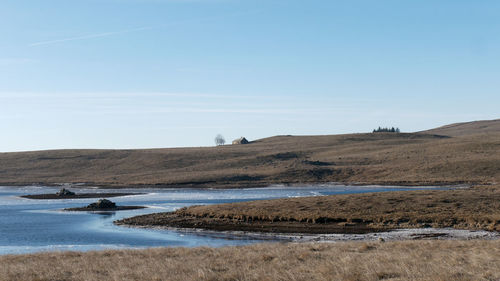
[213, 96]
[89, 36]
[122, 95]
[137, 29]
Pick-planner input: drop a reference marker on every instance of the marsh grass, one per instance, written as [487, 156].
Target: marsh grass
[476, 208]
[408, 260]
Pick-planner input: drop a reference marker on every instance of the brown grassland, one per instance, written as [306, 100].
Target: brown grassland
[459, 153]
[407, 260]
[384, 158]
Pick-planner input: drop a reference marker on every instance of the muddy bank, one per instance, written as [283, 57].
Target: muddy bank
[398, 235]
[382, 236]
[176, 221]
[303, 232]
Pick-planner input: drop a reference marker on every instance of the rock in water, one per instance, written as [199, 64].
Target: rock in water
[102, 204]
[64, 192]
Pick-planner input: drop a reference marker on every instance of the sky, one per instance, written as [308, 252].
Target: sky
[175, 73]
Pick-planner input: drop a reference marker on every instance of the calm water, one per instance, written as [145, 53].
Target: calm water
[39, 225]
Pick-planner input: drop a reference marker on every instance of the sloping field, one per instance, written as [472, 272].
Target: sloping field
[385, 158]
[467, 128]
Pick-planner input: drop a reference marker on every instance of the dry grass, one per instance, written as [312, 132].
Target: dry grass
[477, 208]
[409, 260]
[369, 158]
[384, 158]
[467, 128]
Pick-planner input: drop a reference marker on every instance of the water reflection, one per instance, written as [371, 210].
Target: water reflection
[105, 214]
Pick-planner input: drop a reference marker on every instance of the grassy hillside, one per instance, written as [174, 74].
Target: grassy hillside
[385, 158]
[467, 128]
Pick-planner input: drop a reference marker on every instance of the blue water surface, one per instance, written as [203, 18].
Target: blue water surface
[28, 225]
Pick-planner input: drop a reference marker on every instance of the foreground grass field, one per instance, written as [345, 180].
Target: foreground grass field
[463, 153]
[408, 260]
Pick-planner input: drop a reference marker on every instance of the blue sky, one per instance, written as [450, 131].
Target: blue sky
[165, 73]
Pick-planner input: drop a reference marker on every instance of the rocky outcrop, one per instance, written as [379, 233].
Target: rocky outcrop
[65, 192]
[102, 204]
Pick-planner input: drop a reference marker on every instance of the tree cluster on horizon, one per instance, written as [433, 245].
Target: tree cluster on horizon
[386, 130]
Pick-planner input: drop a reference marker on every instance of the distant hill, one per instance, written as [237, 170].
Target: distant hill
[467, 128]
[371, 158]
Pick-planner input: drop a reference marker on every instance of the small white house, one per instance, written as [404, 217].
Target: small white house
[241, 140]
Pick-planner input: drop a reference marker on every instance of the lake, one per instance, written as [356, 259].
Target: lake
[28, 225]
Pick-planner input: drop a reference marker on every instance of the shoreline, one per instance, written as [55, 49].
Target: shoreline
[389, 235]
[77, 196]
[470, 209]
[176, 222]
[289, 228]
[238, 185]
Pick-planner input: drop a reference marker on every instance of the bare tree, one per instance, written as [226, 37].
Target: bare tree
[219, 140]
